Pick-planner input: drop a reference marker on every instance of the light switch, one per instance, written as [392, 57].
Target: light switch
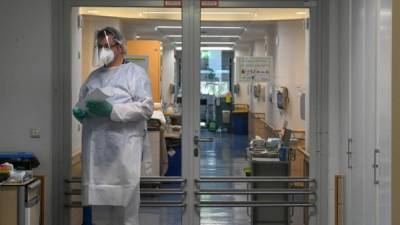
[35, 133]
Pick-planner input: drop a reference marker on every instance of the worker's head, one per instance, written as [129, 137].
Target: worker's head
[110, 44]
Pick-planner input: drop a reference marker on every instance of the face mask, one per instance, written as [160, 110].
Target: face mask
[106, 56]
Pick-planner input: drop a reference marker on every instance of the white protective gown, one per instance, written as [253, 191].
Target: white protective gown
[112, 147]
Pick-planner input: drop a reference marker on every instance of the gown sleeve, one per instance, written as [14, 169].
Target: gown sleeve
[141, 107]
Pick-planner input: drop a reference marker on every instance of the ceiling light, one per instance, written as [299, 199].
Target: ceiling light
[179, 48]
[217, 43]
[221, 36]
[210, 43]
[203, 27]
[173, 35]
[161, 12]
[301, 13]
[214, 27]
[137, 36]
[92, 11]
[205, 13]
[205, 36]
[228, 13]
[217, 48]
[168, 27]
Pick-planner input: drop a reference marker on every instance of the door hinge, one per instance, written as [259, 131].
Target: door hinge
[349, 153]
[376, 166]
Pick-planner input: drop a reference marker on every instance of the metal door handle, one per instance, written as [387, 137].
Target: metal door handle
[198, 139]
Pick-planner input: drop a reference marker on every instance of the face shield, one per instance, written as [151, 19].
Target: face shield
[102, 53]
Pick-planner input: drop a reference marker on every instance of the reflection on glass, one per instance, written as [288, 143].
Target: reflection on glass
[253, 60]
[150, 35]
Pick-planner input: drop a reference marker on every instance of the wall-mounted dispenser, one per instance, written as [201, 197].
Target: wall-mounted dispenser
[257, 90]
[282, 98]
[171, 88]
[236, 88]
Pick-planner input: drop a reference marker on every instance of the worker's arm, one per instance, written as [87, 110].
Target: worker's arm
[141, 107]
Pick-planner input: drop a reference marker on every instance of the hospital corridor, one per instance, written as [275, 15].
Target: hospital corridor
[200, 112]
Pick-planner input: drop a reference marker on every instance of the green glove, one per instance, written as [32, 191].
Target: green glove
[102, 108]
[79, 114]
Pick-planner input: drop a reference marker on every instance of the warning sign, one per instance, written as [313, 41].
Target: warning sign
[173, 3]
[209, 3]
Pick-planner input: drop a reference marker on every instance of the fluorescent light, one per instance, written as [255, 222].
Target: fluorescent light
[205, 13]
[205, 36]
[214, 27]
[210, 43]
[161, 12]
[217, 43]
[173, 35]
[217, 48]
[229, 13]
[221, 36]
[203, 27]
[92, 11]
[301, 13]
[168, 27]
[179, 48]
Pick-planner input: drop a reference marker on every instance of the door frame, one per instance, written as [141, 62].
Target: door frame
[61, 26]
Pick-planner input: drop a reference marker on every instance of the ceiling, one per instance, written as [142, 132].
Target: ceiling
[235, 28]
[208, 14]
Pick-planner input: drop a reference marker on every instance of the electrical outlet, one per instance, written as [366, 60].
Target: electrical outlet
[35, 133]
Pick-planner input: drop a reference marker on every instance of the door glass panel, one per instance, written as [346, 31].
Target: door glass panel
[253, 104]
[152, 42]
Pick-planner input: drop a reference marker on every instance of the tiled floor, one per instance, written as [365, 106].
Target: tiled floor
[225, 156]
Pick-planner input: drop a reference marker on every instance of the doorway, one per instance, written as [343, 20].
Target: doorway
[194, 93]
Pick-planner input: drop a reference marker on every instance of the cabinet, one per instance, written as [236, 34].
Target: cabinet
[270, 215]
[20, 203]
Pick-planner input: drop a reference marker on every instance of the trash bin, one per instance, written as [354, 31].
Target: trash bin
[240, 123]
[174, 157]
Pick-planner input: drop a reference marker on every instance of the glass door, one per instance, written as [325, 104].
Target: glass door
[228, 142]
[151, 36]
[253, 162]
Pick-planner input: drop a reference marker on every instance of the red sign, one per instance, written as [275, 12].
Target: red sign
[209, 3]
[173, 3]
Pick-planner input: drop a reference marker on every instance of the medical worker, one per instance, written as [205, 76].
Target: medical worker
[113, 133]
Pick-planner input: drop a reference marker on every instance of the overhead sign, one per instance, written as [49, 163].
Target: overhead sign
[254, 68]
[209, 3]
[173, 3]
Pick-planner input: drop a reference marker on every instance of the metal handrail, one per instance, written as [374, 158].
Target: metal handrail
[78, 204]
[254, 191]
[142, 180]
[253, 204]
[149, 191]
[180, 205]
[254, 179]
[143, 191]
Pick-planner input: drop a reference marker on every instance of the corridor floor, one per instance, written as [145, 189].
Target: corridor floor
[225, 156]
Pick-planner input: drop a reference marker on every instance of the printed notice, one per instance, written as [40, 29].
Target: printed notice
[254, 68]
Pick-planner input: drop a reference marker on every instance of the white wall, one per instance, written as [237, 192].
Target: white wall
[167, 73]
[243, 96]
[289, 72]
[26, 83]
[285, 42]
[359, 54]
